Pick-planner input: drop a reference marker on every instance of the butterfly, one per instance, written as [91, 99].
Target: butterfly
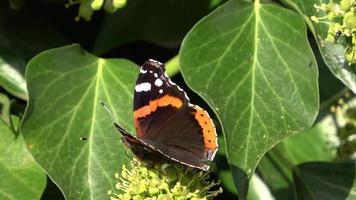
[168, 126]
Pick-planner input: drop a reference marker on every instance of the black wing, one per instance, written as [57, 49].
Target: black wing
[165, 119]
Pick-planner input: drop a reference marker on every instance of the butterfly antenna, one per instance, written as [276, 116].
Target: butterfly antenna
[108, 110]
[117, 125]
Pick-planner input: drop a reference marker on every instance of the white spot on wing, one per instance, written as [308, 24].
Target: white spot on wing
[143, 87]
[155, 74]
[143, 71]
[158, 82]
[151, 72]
[180, 89]
[160, 91]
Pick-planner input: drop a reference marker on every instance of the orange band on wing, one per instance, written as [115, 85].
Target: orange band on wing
[210, 138]
[166, 100]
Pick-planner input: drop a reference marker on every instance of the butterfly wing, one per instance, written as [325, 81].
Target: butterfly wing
[140, 148]
[165, 119]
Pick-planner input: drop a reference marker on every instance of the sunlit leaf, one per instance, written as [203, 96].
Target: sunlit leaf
[20, 176]
[333, 54]
[5, 109]
[258, 189]
[252, 63]
[312, 145]
[65, 86]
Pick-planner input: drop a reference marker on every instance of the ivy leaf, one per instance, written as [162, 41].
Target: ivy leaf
[5, 109]
[252, 63]
[12, 79]
[277, 175]
[20, 177]
[65, 86]
[311, 145]
[333, 54]
[258, 189]
[321, 180]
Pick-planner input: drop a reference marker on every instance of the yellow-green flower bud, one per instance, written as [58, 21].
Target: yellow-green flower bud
[332, 15]
[329, 7]
[334, 27]
[140, 188]
[85, 11]
[345, 5]
[125, 197]
[315, 19]
[139, 182]
[153, 191]
[350, 20]
[351, 55]
[164, 197]
[96, 4]
[109, 7]
[119, 3]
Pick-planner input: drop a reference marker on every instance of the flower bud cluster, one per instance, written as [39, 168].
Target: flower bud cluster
[163, 182]
[345, 115]
[340, 16]
[87, 7]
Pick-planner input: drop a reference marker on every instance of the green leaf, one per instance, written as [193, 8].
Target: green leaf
[318, 180]
[23, 34]
[65, 86]
[5, 108]
[227, 181]
[333, 54]
[163, 25]
[276, 175]
[252, 63]
[258, 189]
[20, 176]
[312, 145]
[13, 79]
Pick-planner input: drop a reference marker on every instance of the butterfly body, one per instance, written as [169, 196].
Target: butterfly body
[167, 125]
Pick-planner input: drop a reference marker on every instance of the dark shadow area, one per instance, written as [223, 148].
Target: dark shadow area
[222, 165]
[140, 51]
[323, 180]
[51, 191]
[241, 181]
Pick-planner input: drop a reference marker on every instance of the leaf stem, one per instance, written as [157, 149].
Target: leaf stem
[257, 3]
[5, 111]
[172, 66]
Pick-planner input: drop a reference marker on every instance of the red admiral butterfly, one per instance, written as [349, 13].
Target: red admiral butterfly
[167, 125]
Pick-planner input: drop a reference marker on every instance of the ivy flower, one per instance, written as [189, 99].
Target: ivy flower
[87, 7]
[340, 17]
[163, 182]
